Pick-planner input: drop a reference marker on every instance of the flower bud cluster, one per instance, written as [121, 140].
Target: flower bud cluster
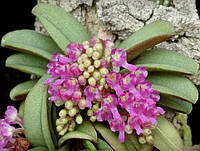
[146, 137]
[69, 117]
[88, 77]
[8, 133]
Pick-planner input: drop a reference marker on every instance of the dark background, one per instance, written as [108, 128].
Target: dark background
[17, 15]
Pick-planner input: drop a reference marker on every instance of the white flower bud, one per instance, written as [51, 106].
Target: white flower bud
[102, 81]
[81, 67]
[101, 87]
[149, 139]
[97, 63]
[63, 131]
[84, 56]
[98, 47]
[72, 126]
[146, 131]
[86, 74]
[96, 75]
[85, 44]
[89, 112]
[69, 104]
[128, 129]
[59, 128]
[89, 52]
[59, 102]
[80, 60]
[91, 81]
[90, 69]
[81, 103]
[142, 140]
[93, 118]
[79, 119]
[87, 63]
[96, 55]
[95, 107]
[72, 112]
[104, 71]
[63, 113]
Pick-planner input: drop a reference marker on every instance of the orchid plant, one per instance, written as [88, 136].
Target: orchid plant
[87, 93]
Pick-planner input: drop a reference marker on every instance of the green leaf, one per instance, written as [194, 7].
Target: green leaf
[45, 108]
[175, 104]
[88, 145]
[52, 120]
[132, 138]
[166, 137]
[173, 85]
[66, 147]
[38, 149]
[20, 91]
[166, 60]
[30, 41]
[62, 26]
[83, 131]
[21, 109]
[111, 137]
[32, 114]
[27, 63]
[146, 37]
[103, 146]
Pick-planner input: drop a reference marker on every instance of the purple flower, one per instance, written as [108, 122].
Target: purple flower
[118, 125]
[11, 116]
[110, 102]
[91, 93]
[113, 80]
[127, 81]
[118, 57]
[74, 70]
[74, 50]
[103, 114]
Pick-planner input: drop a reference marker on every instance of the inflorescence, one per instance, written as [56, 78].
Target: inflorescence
[88, 77]
[8, 132]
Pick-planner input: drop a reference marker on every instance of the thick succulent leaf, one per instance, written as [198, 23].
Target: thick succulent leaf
[27, 63]
[62, 26]
[45, 108]
[20, 91]
[146, 37]
[52, 120]
[30, 41]
[173, 85]
[112, 138]
[38, 149]
[83, 131]
[166, 60]
[88, 145]
[21, 109]
[175, 104]
[33, 112]
[166, 137]
[66, 147]
[103, 146]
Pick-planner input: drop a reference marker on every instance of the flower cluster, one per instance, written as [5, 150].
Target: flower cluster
[8, 133]
[88, 76]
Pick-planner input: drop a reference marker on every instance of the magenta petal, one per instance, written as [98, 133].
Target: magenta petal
[118, 89]
[48, 81]
[115, 113]
[121, 136]
[130, 67]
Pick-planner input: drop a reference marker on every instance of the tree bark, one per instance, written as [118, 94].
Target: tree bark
[121, 18]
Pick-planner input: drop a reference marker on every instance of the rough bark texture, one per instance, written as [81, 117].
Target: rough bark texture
[121, 18]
